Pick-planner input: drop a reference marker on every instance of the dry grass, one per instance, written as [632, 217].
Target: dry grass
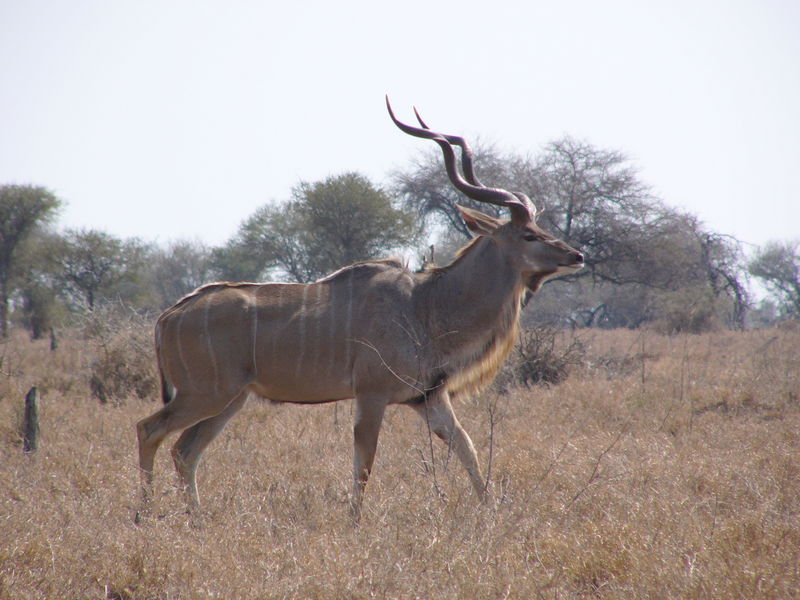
[668, 467]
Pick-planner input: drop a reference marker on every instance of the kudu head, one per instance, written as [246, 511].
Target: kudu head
[534, 253]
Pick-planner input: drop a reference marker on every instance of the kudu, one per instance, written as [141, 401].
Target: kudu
[373, 331]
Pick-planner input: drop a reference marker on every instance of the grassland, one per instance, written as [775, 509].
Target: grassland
[663, 467]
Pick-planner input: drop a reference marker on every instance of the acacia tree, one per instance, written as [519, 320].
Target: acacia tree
[35, 284]
[92, 264]
[593, 198]
[22, 208]
[177, 269]
[325, 226]
[425, 189]
[722, 260]
[777, 264]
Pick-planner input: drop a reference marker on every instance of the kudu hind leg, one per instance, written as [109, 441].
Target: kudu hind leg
[191, 444]
[150, 432]
[438, 414]
[368, 418]
[182, 412]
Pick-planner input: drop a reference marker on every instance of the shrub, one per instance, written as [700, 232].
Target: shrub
[687, 310]
[541, 355]
[124, 365]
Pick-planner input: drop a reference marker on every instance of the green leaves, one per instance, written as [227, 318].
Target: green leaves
[22, 208]
[325, 226]
[777, 264]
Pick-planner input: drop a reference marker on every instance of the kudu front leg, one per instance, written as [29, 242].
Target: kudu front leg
[368, 419]
[438, 413]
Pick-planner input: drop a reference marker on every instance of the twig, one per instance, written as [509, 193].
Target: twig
[407, 380]
[436, 487]
[550, 467]
[596, 467]
[491, 406]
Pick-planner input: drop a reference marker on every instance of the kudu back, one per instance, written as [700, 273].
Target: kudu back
[372, 331]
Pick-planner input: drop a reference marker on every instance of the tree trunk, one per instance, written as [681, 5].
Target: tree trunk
[3, 310]
[30, 433]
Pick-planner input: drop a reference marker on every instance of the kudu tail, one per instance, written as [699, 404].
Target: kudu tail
[167, 389]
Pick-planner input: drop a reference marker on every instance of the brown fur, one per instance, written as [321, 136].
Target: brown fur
[373, 331]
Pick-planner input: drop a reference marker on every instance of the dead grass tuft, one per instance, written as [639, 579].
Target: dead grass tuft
[662, 467]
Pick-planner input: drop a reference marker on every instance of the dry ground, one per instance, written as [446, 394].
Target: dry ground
[665, 467]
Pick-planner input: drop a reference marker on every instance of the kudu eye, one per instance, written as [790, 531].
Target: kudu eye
[530, 237]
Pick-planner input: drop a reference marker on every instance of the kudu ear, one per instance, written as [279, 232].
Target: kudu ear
[477, 222]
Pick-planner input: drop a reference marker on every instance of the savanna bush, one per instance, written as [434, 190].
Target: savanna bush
[687, 310]
[544, 354]
[123, 365]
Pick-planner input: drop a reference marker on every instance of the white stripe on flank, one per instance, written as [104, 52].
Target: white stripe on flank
[209, 344]
[348, 324]
[254, 329]
[178, 339]
[277, 324]
[159, 334]
[302, 333]
[332, 347]
[316, 342]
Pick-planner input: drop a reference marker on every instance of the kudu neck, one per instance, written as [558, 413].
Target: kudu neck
[477, 289]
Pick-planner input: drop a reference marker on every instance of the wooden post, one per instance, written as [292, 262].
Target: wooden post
[30, 433]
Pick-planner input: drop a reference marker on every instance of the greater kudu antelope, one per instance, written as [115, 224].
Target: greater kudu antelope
[373, 331]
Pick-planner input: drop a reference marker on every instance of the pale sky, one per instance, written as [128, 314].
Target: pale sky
[177, 119]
